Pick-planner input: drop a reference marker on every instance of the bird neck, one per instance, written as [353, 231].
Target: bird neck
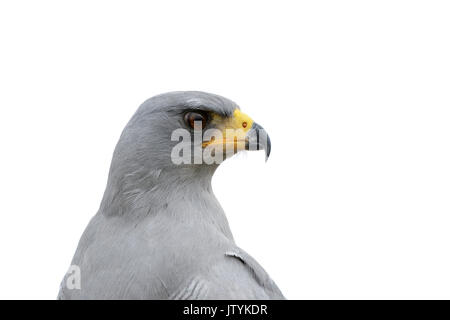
[183, 194]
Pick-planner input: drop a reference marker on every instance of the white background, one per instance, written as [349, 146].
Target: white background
[354, 201]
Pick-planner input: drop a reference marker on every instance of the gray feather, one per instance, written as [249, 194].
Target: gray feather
[160, 232]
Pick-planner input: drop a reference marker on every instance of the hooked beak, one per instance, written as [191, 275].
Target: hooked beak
[238, 133]
[258, 139]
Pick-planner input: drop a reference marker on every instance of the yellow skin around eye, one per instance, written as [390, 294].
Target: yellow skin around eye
[235, 127]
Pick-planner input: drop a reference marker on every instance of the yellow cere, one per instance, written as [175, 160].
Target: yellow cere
[239, 120]
[239, 124]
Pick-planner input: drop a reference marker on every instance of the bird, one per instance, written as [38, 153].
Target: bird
[160, 232]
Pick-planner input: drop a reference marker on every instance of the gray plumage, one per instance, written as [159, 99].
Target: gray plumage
[160, 232]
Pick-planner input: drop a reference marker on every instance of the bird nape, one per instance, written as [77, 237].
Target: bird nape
[160, 232]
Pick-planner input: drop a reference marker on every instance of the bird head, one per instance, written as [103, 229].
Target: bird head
[180, 137]
[189, 129]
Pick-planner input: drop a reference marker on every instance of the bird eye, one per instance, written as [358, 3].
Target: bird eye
[191, 117]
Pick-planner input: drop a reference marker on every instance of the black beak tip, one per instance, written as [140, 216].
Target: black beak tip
[268, 148]
[263, 140]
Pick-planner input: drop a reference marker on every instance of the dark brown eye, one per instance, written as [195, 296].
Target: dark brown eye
[191, 117]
